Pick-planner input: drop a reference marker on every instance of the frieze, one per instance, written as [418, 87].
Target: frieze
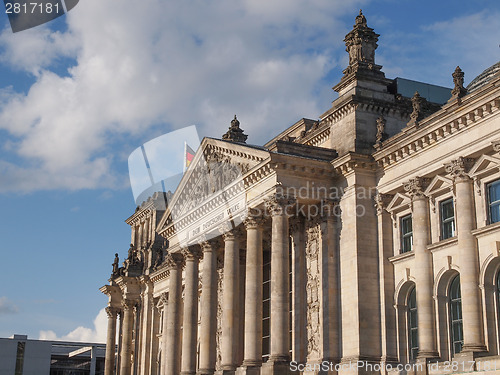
[398, 150]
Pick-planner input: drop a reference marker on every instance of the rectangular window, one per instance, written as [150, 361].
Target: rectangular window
[494, 201]
[447, 219]
[406, 234]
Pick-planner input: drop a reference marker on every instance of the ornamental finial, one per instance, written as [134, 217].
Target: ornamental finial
[235, 133]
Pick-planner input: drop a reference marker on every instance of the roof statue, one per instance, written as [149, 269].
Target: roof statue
[361, 43]
[458, 79]
[235, 133]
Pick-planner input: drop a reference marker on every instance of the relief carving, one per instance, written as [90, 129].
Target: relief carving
[313, 242]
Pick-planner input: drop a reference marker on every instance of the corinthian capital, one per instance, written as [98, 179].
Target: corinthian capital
[278, 205]
[253, 219]
[174, 260]
[228, 232]
[112, 312]
[458, 168]
[416, 186]
[192, 253]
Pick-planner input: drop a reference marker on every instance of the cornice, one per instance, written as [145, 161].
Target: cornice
[451, 119]
[352, 162]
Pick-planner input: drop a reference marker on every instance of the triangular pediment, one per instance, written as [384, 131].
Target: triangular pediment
[218, 167]
[484, 165]
[399, 202]
[438, 185]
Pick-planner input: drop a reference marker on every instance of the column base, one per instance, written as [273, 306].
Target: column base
[249, 369]
[188, 372]
[474, 348]
[205, 371]
[276, 367]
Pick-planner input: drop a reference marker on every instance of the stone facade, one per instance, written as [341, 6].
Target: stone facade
[365, 242]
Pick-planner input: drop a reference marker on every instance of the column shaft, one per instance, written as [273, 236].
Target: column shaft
[253, 295]
[128, 320]
[424, 278]
[469, 267]
[230, 301]
[280, 290]
[208, 314]
[171, 363]
[109, 366]
[190, 325]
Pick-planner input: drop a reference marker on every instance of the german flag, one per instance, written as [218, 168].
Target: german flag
[188, 155]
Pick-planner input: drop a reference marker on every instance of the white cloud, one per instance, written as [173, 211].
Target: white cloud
[176, 63]
[7, 306]
[82, 334]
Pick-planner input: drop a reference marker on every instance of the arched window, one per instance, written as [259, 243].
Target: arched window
[457, 331]
[412, 324]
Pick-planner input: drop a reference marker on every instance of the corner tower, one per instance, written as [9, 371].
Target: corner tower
[364, 96]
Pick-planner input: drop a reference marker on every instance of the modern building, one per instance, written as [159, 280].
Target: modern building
[367, 241]
[22, 356]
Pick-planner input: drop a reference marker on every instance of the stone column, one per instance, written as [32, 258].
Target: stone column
[253, 295]
[190, 325]
[208, 311]
[280, 268]
[469, 256]
[299, 280]
[172, 354]
[423, 269]
[164, 303]
[386, 280]
[128, 323]
[109, 367]
[155, 330]
[230, 300]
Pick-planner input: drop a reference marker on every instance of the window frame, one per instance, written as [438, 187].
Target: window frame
[489, 203]
[403, 235]
[412, 311]
[455, 321]
[443, 222]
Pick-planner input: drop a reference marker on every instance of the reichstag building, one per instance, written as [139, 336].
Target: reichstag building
[364, 242]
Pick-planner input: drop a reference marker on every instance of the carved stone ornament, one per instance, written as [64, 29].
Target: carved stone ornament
[416, 186]
[192, 253]
[417, 103]
[381, 134]
[279, 205]
[361, 43]
[235, 133]
[313, 243]
[173, 261]
[128, 304]
[458, 79]
[112, 312]
[458, 168]
[381, 202]
[253, 219]
[496, 145]
[163, 300]
[228, 232]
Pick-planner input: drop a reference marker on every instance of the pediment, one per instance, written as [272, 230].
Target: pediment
[217, 168]
[484, 165]
[439, 184]
[399, 202]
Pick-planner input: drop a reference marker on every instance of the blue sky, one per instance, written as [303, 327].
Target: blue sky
[78, 95]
